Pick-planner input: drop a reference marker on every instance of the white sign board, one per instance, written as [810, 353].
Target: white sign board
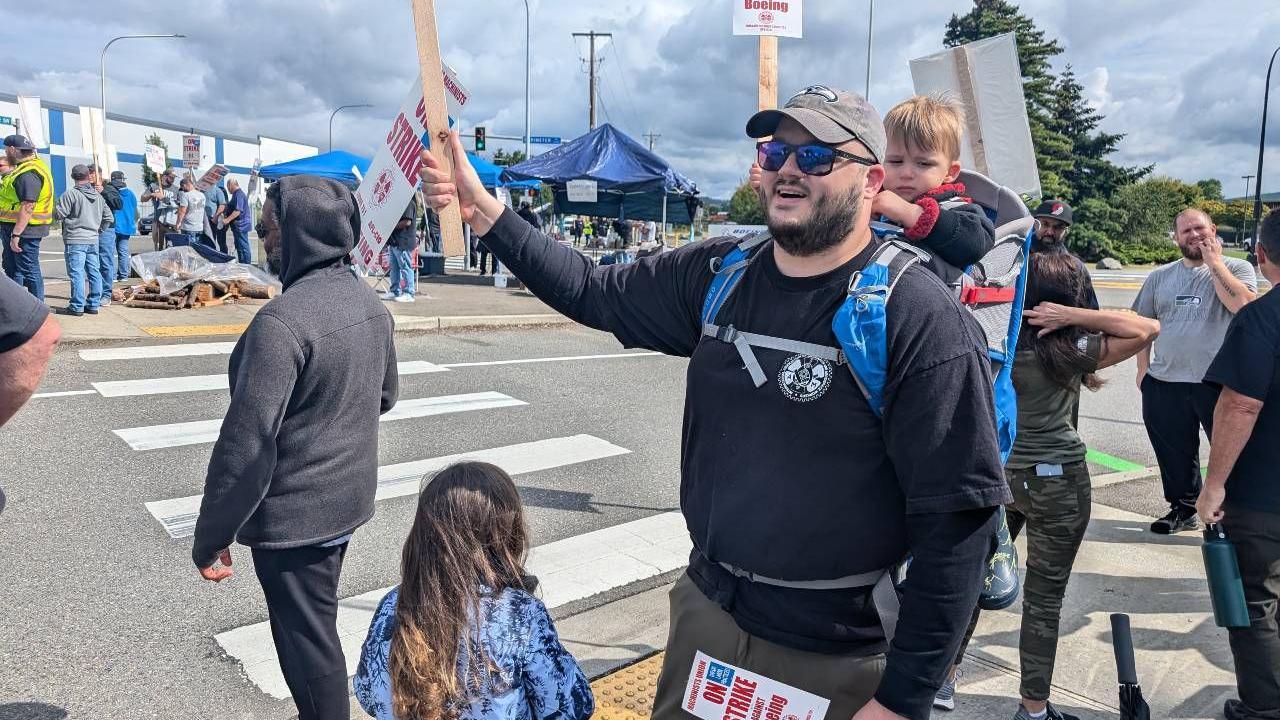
[782, 18]
[385, 189]
[32, 120]
[211, 177]
[582, 191]
[719, 691]
[985, 77]
[191, 151]
[91, 135]
[155, 159]
[730, 230]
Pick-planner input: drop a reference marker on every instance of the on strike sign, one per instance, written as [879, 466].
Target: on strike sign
[720, 691]
[393, 175]
[767, 17]
[191, 151]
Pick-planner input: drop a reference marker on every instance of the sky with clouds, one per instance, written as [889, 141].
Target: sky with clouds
[1183, 79]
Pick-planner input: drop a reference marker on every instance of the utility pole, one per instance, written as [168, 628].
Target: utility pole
[1244, 231]
[591, 75]
[651, 137]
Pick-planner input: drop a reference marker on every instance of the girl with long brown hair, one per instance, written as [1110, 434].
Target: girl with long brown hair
[1061, 347]
[461, 637]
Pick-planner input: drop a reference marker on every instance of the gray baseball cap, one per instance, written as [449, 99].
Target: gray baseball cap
[831, 116]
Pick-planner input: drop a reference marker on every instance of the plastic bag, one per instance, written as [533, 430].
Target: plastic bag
[177, 267]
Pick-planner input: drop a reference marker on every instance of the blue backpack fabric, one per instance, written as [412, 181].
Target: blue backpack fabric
[992, 290]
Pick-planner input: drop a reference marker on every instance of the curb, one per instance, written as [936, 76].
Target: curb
[411, 323]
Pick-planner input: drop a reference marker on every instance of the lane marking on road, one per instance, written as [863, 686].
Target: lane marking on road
[566, 358]
[568, 570]
[154, 437]
[64, 393]
[178, 515]
[1097, 457]
[142, 352]
[193, 330]
[195, 383]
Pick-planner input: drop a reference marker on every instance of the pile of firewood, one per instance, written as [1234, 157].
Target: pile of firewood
[203, 293]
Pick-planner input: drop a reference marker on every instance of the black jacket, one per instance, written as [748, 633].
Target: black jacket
[296, 462]
[112, 195]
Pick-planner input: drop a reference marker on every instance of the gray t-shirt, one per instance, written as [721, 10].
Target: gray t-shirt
[213, 197]
[193, 201]
[1193, 321]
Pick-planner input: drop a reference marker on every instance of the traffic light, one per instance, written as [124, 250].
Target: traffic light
[479, 139]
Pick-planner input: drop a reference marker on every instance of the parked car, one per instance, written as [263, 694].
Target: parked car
[144, 222]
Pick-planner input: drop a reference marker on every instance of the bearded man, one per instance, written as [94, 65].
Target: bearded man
[1194, 299]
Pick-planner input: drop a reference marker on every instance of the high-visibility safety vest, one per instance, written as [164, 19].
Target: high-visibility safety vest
[9, 202]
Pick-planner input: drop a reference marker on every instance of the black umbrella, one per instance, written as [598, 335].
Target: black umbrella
[1132, 706]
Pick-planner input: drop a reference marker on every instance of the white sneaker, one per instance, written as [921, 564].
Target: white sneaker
[404, 299]
[388, 295]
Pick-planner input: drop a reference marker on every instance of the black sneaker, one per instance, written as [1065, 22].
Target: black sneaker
[69, 311]
[1177, 520]
[91, 311]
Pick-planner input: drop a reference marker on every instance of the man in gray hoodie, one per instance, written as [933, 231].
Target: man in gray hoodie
[84, 214]
[295, 468]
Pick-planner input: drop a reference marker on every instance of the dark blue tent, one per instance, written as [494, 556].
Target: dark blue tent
[631, 181]
[335, 164]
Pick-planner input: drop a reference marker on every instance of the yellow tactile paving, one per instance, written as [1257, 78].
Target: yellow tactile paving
[627, 694]
[193, 330]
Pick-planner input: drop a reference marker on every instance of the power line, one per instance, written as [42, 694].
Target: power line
[626, 85]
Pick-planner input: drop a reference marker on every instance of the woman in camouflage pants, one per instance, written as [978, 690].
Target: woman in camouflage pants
[1061, 347]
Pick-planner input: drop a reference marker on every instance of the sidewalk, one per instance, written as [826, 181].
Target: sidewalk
[443, 303]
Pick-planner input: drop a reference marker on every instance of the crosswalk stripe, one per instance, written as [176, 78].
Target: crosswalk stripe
[154, 437]
[142, 352]
[178, 515]
[568, 570]
[565, 358]
[195, 383]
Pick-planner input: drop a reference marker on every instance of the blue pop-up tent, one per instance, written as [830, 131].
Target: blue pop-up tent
[631, 182]
[337, 164]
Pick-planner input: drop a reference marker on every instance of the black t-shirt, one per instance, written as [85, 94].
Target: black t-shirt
[406, 238]
[21, 315]
[802, 481]
[1249, 363]
[28, 186]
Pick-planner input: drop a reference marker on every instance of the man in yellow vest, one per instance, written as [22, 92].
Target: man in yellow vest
[26, 211]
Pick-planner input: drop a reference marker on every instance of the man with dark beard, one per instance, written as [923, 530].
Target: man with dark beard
[1194, 299]
[801, 502]
[295, 468]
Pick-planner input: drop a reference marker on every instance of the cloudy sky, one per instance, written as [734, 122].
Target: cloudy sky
[1182, 78]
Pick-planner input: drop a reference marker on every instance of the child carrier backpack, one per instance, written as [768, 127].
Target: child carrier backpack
[992, 290]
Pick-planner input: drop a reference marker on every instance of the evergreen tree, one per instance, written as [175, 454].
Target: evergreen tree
[1035, 54]
[744, 206]
[148, 176]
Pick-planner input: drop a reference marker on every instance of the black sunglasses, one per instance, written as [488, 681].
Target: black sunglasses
[811, 159]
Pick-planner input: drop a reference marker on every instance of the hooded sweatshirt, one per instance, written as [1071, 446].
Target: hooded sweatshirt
[84, 214]
[296, 461]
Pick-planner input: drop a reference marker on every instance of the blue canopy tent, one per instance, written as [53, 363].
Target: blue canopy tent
[337, 164]
[632, 183]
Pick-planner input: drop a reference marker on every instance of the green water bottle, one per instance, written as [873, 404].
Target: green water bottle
[1226, 589]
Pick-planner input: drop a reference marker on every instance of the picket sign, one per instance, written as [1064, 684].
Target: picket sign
[385, 189]
[212, 176]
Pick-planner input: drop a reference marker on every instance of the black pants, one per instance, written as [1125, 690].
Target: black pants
[301, 586]
[220, 237]
[1256, 649]
[486, 261]
[1174, 413]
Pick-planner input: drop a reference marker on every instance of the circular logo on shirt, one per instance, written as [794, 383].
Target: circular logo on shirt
[804, 378]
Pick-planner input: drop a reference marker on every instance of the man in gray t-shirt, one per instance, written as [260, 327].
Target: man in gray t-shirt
[191, 211]
[1194, 299]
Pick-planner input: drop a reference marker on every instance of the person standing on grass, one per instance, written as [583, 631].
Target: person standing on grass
[1194, 299]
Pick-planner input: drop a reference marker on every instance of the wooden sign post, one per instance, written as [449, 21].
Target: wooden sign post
[768, 97]
[424, 21]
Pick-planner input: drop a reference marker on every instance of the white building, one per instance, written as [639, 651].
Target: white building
[126, 136]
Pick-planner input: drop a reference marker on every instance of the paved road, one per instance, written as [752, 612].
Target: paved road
[103, 607]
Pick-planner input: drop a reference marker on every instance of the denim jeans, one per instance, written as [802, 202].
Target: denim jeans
[82, 266]
[107, 262]
[122, 256]
[402, 272]
[243, 254]
[24, 267]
